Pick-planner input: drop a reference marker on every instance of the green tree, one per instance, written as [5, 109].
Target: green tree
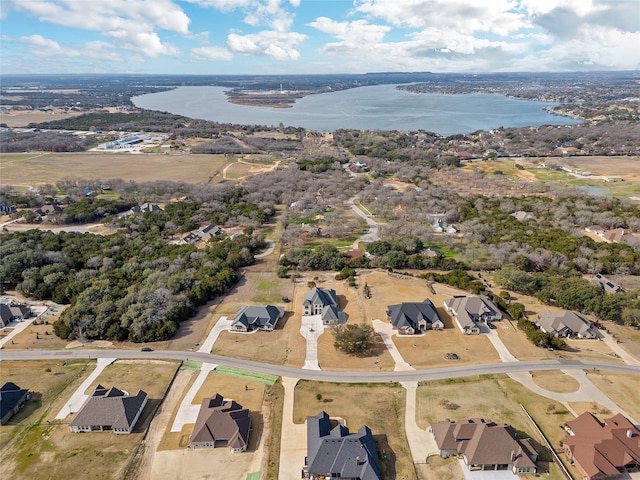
[353, 339]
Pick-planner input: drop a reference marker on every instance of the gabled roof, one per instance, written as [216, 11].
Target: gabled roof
[601, 448]
[210, 230]
[552, 322]
[484, 443]
[322, 296]
[109, 406]
[337, 451]
[220, 420]
[408, 314]
[9, 311]
[11, 395]
[467, 308]
[259, 316]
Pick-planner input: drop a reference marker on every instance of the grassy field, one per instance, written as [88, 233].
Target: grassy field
[622, 389]
[379, 406]
[496, 398]
[51, 167]
[46, 449]
[555, 381]
[48, 380]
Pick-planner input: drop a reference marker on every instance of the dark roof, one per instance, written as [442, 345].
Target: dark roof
[10, 311]
[337, 451]
[408, 314]
[220, 420]
[109, 406]
[259, 316]
[11, 395]
[323, 296]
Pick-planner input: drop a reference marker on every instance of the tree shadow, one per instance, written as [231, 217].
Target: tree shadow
[283, 321]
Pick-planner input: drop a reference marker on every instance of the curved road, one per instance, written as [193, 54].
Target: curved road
[321, 375]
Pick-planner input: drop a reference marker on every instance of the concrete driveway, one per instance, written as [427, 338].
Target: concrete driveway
[385, 330]
[293, 442]
[311, 329]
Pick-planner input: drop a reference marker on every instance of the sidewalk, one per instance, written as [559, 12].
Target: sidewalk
[188, 413]
[79, 397]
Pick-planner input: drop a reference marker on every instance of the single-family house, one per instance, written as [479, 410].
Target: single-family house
[209, 231]
[45, 210]
[411, 318]
[12, 311]
[191, 238]
[602, 450]
[470, 312]
[6, 209]
[12, 398]
[485, 445]
[259, 317]
[323, 302]
[523, 216]
[431, 252]
[337, 453]
[607, 285]
[614, 236]
[109, 409]
[145, 208]
[566, 324]
[595, 229]
[221, 423]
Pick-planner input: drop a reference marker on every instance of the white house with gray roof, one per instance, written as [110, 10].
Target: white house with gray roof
[411, 318]
[323, 302]
[109, 409]
[566, 324]
[337, 453]
[470, 312]
[259, 317]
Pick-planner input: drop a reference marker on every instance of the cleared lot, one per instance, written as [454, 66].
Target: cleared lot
[51, 167]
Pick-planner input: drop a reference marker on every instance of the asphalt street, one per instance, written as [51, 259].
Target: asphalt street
[321, 375]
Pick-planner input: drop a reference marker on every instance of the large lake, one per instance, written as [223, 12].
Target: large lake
[380, 107]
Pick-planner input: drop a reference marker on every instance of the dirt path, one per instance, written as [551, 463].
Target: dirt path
[160, 421]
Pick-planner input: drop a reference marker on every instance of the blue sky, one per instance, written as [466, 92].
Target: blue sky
[317, 36]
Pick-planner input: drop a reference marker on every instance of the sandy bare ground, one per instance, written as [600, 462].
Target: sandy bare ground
[22, 118]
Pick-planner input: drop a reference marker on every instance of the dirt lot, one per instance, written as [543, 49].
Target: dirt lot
[380, 407]
[43, 168]
[628, 337]
[47, 449]
[22, 118]
[174, 460]
[496, 398]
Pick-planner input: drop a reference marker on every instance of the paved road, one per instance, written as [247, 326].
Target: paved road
[372, 233]
[321, 375]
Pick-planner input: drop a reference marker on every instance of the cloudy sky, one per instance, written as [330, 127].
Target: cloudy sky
[317, 36]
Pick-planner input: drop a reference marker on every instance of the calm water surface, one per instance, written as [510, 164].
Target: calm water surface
[380, 107]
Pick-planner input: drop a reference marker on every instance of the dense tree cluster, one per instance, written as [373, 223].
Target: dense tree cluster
[353, 339]
[121, 286]
[12, 141]
[569, 290]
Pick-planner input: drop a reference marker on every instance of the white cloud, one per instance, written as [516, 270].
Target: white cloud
[216, 54]
[274, 44]
[495, 16]
[270, 13]
[131, 24]
[42, 47]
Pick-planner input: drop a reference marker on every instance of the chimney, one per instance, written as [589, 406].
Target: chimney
[629, 433]
[513, 455]
[358, 459]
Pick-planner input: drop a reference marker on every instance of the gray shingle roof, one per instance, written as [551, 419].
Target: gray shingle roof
[11, 395]
[320, 296]
[109, 407]
[258, 317]
[554, 322]
[337, 451]
[408, 314]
